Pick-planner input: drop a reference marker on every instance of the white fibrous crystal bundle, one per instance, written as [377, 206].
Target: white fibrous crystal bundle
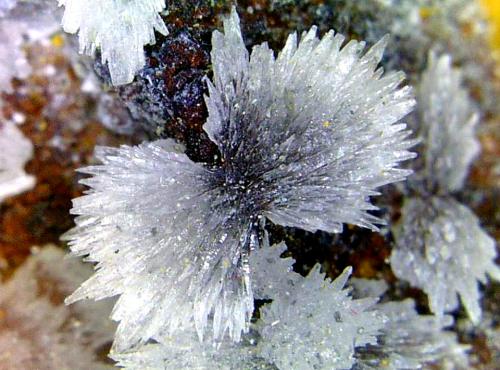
[442, 249]
[311, 323]
[408, 340]
[271, 275]
[440, 246]
[185, 351]
[119, 29]
[445, 122]
[318, 315]
[411, 341]
[310, 313]
[37, 331]
[304, 138]
[16, 151]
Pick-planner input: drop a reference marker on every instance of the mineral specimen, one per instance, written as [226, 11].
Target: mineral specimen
[442, 249]
[440, 246]
[445, 122]
[296, 144]
[304, 140]
[318, 325]
[271, 275]
[311, 323]
[184, 351]
[120, 29]
[408, 340]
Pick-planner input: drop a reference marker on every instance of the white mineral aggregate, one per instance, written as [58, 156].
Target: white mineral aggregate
[440, 245]
[15, 151]
[119, 29]
[442, 249]
[305, 139]
[408, 340]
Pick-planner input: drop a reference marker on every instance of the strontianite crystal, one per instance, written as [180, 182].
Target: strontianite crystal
[304, 138]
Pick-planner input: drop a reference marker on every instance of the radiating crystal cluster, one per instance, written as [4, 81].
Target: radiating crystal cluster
[16, 151]
[311, 323]
[411, 341]
[408, 340]
[441, 247]
[321, 316]
[120, 29]
[37, 331]
[443, 250]
[184, 351]
[455, 27]
[445, 122]
[304, 140]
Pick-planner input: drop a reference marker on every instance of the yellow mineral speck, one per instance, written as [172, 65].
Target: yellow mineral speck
[327, 124]
[42, 125]
[57, 40]
[385, 362]
[427, 12]
[492, 9]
